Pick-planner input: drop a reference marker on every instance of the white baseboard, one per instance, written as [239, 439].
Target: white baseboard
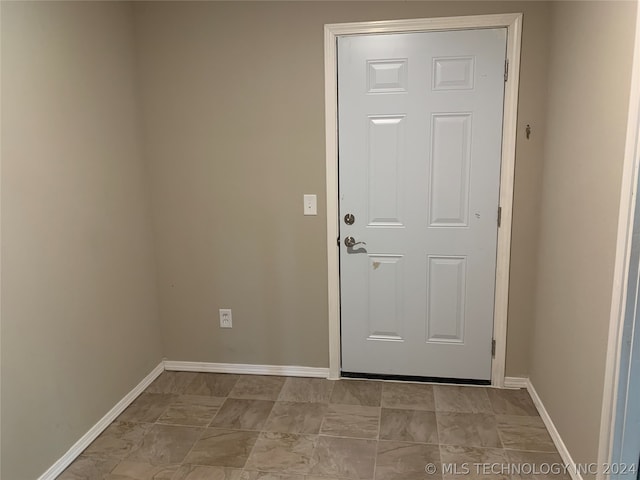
[523, 382]
[285, 370]
[73, 453]
[515, 382]
[553, 431]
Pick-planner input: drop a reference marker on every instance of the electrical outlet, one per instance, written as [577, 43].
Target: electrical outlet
[225, 318]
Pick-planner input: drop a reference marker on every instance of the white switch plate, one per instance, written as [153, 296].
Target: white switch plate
[310, 204]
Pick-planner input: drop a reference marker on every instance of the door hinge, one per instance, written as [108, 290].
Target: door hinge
[506, 69]
[499, 216]
[493, 348]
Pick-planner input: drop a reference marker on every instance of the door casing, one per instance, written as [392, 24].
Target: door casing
[619, 294]
[513, 23]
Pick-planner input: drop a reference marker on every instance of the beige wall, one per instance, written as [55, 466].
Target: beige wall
[79, 306]
[233, 109]
[589, 78]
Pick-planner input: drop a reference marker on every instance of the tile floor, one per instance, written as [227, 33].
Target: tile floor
[197, 426]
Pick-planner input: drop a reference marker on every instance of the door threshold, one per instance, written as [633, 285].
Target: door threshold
[412, 378]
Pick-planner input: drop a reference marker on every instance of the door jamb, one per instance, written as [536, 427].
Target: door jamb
[628, 192]
[513, 23]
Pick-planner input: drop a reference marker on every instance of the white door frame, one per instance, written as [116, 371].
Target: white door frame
[513, 23]
[628, 192]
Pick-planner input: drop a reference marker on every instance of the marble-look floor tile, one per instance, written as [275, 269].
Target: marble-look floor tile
[294, 417]
[481, 463]
[411, 396]
[408, 426]
[118, 439]
[537, 466]
[243, 414]
[191, 410]
[315, 390]
[451, 398]
[212, 384]
[316, 430]
[148, 407]
[88, 467]
[524, 433]
[468, 429]
[203, 472]
[282, 453]
[165, 445]
[357, 392]
[351, 421]
[344, 457]
[321, 477]
[512, 402]
[407, 461]
[255, 475]
[171, 382]
[222, 448]
[128, 470]
[258, 387]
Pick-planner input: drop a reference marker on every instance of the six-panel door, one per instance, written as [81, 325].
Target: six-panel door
[420, 130]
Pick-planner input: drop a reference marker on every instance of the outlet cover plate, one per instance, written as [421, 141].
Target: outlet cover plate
[226, 320]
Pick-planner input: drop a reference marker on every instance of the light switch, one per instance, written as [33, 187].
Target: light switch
[310, 204]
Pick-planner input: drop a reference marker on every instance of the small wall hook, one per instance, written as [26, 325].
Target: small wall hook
[528, 131]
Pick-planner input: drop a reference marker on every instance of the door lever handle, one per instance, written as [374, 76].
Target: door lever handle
[351, 242]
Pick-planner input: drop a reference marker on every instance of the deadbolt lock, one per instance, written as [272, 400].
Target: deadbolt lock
[349, 219]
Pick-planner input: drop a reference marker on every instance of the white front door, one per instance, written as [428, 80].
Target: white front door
[420, 131]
